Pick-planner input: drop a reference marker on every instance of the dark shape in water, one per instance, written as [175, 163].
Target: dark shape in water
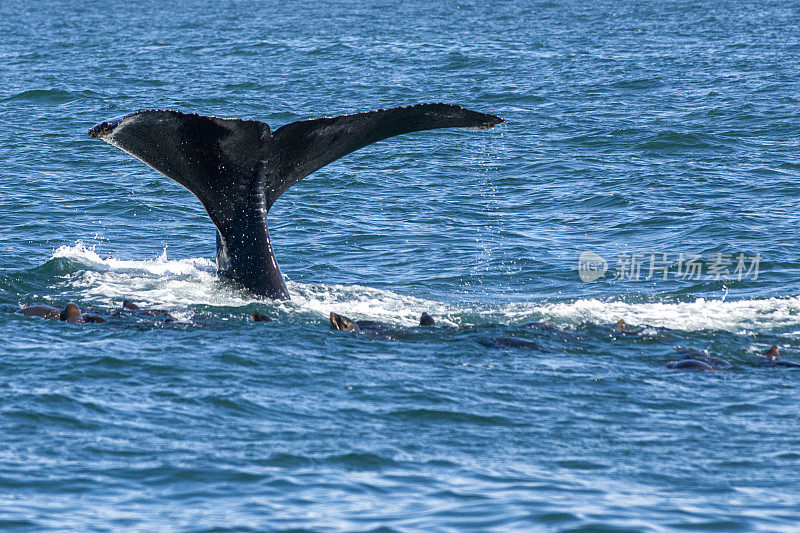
[691, 364]
[258, 317]
[375, 330]
[385, 331]
[71, 313]
[342, 323]
[510, 342]
[127, 305]
[622, 328]
[426, 320]
[42, 311]
[785, 363]
[772, 357]
[697, 360]
[238, 168]
[773, 354]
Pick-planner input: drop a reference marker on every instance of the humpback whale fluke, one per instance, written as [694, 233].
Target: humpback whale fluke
[238, 168]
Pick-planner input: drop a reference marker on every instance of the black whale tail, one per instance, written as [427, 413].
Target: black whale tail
[238, 168]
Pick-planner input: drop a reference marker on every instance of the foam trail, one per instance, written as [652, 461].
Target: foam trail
[700, 314]
[163, 282]
[159, 266]
[359, 302]
[176, 284]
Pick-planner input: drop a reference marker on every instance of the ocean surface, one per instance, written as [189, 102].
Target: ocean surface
[649, 171]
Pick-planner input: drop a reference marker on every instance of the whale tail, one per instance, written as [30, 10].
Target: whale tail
[238, 168]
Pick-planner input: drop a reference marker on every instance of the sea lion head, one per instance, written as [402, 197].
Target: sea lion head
[773, 354]
[342, 323]
[72, 314]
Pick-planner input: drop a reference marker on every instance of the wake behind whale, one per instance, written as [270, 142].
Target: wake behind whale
[238, 168]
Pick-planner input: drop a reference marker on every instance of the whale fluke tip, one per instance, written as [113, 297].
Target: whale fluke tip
[489, 124]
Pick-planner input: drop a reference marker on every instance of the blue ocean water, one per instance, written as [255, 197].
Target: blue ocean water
[660, 140]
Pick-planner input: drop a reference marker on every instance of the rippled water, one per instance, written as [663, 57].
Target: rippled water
[633, 130]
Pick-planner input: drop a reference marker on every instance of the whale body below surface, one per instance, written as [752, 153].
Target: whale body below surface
[237, 168]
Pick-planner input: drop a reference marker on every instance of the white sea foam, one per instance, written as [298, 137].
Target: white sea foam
[357, 301]
[175, 284]
[167, 283]
[701, 313]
